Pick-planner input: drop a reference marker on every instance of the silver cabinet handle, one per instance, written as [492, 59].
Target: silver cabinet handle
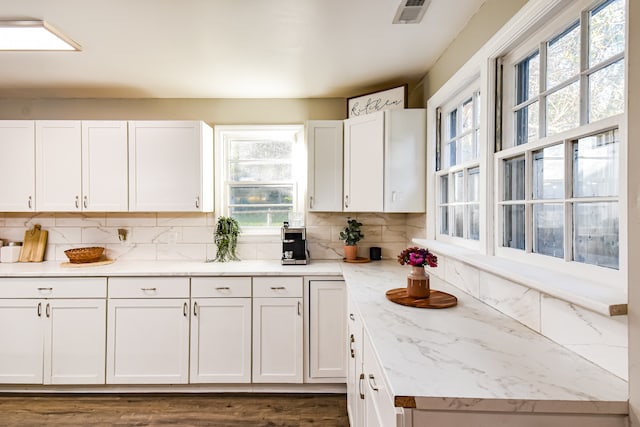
[148, 289]
[48, 310]
[310, 202]
[195, 309]
[372, 383]
[278, 288]
[85, 203]
[352, 339]
[346, 201]
[299, 304]
[39, 311]
[198, 202]
[185, 309]
[360, 386]
[29, 203]
[352, 317]
[45, 289]
[222, 288]
[77, 202]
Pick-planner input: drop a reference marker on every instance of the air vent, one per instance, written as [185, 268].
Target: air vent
[411, 11]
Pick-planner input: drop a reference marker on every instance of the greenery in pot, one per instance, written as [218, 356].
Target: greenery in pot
[226, 239]
[351, 233]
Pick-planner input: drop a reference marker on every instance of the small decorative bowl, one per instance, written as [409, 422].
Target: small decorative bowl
[84, 255]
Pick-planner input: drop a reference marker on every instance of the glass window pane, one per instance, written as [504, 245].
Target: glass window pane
[444, 220]
[259, 171]
[606, 92]
[595, 165]
[473, 221]
[467, 148]
[467, 115]
[548, 173]
[513, 226]
[473, 185]
[458, 187]
[267, 195]
[563, 56]
[527, 123]
[453, 126]
[260, 150]
[256, 216]
[548, 229]
[444, 189]
[478, 109]
[458, 218]
[452, 153]
[563, 109]
[514, 179]
[606, 31]
[595, 234]
[528, 78]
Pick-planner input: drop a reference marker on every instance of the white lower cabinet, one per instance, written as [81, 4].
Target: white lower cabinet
[148, 331]
[277, 330]
[51, 339]
[220, 330]
[355, 375]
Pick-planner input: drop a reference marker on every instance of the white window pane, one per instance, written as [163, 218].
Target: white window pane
[444, 220]
[452, 151]
[263, 195]
[513, 226]
[444, 189]
[548, 230]
[452, 129]
[467, 148]
[595, 234]
[606, 31]
[528, 78]
[606, 92]
[548, 173]
[259, 150]
[478, 108]
[527, 123]
[595, 165]
[467, 115]
[255, 216]
[260, 171]
[563, 109]
[514, 179]
[458, 187]
[563, 57]
[473, 221]
[458, 221]
[473, 185]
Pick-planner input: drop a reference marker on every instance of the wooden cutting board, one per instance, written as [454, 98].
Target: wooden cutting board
[34, 244]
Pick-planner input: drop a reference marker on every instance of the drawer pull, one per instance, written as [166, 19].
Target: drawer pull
[278, 288]
[360, 386]
[352, 339]
[223, 288]
[372, 383]
[45, 289]
[39, 311]
[148, 289]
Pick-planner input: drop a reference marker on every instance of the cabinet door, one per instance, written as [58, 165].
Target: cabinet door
[58, 166]
[171, 166]
[364, 163]
[104, 166]
[325, 151]
[74, 342]
[221, 340]
[148, 341]
[355, 387]
[21, 338]
[327, 329]
[405, 160]
[17, 169]
[277, 340]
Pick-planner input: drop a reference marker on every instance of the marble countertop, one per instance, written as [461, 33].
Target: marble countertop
[472, 357]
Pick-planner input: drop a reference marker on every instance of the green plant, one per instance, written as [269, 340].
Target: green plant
[226, 239]
[351, 233]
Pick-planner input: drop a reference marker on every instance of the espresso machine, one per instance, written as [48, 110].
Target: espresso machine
[294, 245]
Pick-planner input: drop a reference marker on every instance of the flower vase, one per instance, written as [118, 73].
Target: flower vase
[418, 283]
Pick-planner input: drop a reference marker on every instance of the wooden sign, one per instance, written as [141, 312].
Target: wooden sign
[395, 98]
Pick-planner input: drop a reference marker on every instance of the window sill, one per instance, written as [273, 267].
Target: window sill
[591, 295]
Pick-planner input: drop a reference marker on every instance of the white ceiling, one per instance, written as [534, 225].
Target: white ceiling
[227, 48]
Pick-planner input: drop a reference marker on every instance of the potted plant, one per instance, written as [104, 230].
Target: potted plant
[351, 236]
[226, 239]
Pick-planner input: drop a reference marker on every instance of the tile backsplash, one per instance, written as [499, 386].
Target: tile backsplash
[189, 236]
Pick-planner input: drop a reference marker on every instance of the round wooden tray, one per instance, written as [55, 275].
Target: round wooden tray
[87, 264]
[357, 260]
[437, 299]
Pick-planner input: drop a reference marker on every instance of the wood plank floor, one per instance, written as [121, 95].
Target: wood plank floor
[224, 409]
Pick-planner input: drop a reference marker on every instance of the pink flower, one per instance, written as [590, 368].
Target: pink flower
[417, 257]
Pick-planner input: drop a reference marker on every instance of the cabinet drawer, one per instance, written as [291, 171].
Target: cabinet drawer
[274, 287]
[149, 287]
[220, 287]
[375, 386]
[92, 287]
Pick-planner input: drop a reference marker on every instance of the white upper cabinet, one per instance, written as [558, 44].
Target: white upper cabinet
[17, 169]
[104, 166]
[58, 166]
[384, 161]
[170, 166]
[325, 148]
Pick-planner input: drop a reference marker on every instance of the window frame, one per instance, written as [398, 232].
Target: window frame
[223, 135]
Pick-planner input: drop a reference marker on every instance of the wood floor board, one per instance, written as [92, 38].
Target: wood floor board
[216, 409]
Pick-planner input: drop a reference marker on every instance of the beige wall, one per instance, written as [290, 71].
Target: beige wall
[212, 111]
[491, 16]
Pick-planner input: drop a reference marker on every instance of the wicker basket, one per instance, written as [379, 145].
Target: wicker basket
[84, 255]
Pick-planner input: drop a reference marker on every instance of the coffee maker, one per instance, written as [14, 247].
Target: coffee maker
[294, 245]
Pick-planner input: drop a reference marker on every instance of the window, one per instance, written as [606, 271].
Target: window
[558, 171]
[261, 172]
[459, 177]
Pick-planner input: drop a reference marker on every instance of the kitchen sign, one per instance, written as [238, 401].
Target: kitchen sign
[390, 99]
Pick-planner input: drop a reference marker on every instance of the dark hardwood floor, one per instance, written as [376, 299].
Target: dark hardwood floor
[218, 409]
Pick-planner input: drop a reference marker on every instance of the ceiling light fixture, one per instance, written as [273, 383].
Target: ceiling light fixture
[411, 11]
[33, 35]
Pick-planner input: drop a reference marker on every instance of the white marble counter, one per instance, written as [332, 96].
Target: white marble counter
[472, 357]
[170, 268]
